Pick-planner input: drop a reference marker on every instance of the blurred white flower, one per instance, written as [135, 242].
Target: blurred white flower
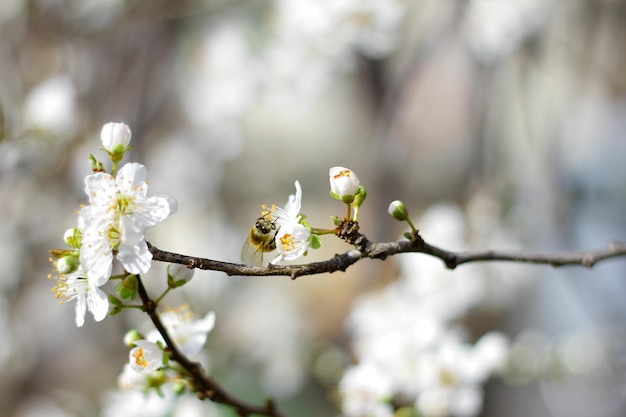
[188, 333]
[365, 392]
[134, 403]
[491, 352]
[444, 401]
[494, 28]
[145, 357]
[131, 379]
[410, 329]
[51, 106]
[452, 376]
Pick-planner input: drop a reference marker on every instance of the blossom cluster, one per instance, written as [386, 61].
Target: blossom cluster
[112, 226]
[408, 350]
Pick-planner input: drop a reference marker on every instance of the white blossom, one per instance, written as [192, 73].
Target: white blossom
[292, 238]
[145, 357]
[78, 286]
[188, 333]
[365, 392]
[117, 218]
[292, 241]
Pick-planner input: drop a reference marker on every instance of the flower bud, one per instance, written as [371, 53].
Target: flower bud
[115, 137]
[337, 221]
[344, 184]
[179, 387]
[67, 264]
[95, 165]
[132, 336]
[127, 289]
[178, 275]
[73, 237]
[398, 211]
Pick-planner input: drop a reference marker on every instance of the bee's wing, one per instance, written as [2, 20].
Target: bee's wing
[251, 255]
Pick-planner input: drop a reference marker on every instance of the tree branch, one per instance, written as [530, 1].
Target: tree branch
[349, 232]
[366, 249]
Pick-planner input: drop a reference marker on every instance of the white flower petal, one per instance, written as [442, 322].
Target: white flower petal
[190, 335]
[100, 188]
[172, 203]
[81, 310]
[136, 258]
[131, 179]
[206, 324]
[151, 212]
[292, 208]
[97, 302]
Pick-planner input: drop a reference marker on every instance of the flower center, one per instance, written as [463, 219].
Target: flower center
[67, 288]
[288, 242]
[113, 236]
[124, 204]
[446, 377]
[139, 358]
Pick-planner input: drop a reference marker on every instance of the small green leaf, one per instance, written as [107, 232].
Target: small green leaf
[315, 242]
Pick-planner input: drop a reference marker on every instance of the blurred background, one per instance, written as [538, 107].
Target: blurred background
[500, 125]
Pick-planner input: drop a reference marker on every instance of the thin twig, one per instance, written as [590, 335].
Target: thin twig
[205, 386]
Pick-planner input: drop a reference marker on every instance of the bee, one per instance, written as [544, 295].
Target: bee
[262, 238]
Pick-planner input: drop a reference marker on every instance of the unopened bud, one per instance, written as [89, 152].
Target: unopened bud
[127, 289]
[344, 184]
[178, 275]
[96, 166]
[398, 211]
[73, 237]
[67, 264]
[131, 337]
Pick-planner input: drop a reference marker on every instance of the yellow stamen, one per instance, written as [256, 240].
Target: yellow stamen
[342, 173]
[139, 358]
[288, 242]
